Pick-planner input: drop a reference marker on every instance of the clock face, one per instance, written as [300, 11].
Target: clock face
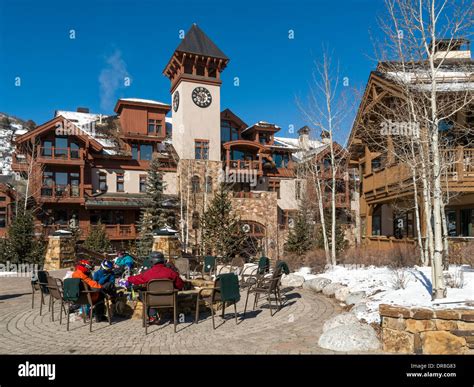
[176, 101]
[201, 97]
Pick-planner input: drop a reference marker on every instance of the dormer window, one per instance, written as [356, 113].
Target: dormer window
[154, 127]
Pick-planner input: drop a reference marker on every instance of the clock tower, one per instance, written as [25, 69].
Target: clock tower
[194, 71]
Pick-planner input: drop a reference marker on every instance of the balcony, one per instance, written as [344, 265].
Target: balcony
[61, 193]
[20, 162]
[53, 155]
[342, 200]
[246, 195]
[244, 164]
[113, 231]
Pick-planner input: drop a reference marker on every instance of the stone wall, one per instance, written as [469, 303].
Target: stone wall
[169, 245]
[59, 253]
[262, 208]
[427, 331]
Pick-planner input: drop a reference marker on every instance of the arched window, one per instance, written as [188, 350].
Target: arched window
[208, 184]
[195, 184]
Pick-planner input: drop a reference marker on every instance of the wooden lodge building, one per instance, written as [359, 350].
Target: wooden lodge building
[386, 191]
[86, 167]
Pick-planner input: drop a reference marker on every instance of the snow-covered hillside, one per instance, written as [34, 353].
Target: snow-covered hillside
[10, 127]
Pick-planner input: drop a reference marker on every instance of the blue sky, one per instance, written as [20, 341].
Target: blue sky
[138, 38]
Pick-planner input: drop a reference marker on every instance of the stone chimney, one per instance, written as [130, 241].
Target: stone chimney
[82, 110]
[325, 138]
[303, 138]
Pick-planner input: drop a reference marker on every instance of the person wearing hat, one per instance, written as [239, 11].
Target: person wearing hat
[83, 272]
[105, 276]
[158, 270]
[124, 261]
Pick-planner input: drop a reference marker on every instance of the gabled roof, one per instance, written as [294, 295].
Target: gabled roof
[197, 42]
[141, 102]
[51, 124]
[229, 115]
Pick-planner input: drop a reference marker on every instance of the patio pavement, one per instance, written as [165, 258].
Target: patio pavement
[294, 329]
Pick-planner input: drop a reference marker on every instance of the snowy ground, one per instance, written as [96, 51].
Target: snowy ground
[380, 285]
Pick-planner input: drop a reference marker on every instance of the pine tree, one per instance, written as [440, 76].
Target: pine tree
[154, 189]
[97, 240]
[300, 237]
[145, 243]
[221, 229]
[23, 247]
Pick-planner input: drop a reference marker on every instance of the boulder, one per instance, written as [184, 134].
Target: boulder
[359, 308]
[340, 319]
[331, 289]
[341, 293]
[350, 338]
[317, 284]
[354, 297]
[292, 280]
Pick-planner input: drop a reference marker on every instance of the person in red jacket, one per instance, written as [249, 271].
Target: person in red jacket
[158, 271]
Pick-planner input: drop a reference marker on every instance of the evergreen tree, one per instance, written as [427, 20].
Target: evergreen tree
[145, 243]
[341, 243]
[300, 237]
[161, 216]
[97, 240]
[23, 246]
[221, 229]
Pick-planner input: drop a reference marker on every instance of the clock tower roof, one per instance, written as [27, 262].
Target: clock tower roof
[197, 42]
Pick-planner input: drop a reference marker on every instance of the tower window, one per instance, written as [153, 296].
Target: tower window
[208, 184]
[200, 70]
[120, 182]
[201, 148]
[103, 182]
[142, 183]
[195, 184]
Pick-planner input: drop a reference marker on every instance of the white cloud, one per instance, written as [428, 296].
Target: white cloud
[111, 79]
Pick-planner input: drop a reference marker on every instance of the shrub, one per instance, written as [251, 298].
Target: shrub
[399, 256]
[314, 258]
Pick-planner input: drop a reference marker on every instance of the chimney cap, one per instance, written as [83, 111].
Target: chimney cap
[82, 110]
[304, 130]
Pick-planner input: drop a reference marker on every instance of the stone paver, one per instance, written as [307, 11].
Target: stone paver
[294, 329]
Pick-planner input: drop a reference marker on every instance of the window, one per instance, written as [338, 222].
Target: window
[103, 181]
[48, 183]
[47, 150]
[201, 149]
[61, 180]
[135, 151]
[451, 220]
[3, 217]
[60, 149]
[209, 184]
[195, 184]
[154, 126]
[142, 183]
[74, 181]
[297, 189]
[146, 152]
[200, 69]
[74, 150]
[377, 221]
[120, 182]
[3, 198]
[274, 186]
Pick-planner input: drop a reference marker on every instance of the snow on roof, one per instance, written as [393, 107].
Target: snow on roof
[262, 123]
[83, 121]
[294, 143]
[447, 80]
[141, 100]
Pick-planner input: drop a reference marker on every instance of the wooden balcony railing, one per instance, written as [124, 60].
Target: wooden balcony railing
[244, 164]
[54, 153]
[113, 231]
[63, 191]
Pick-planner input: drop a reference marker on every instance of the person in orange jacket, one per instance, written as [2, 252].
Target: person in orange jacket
[83, 271]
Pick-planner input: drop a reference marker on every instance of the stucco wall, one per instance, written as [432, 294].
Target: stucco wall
[287, 199]
[192, 122]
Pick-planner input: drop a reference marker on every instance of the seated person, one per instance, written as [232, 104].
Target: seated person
[159, 270]
[123, 262]
[105, 276]
[83, 271]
